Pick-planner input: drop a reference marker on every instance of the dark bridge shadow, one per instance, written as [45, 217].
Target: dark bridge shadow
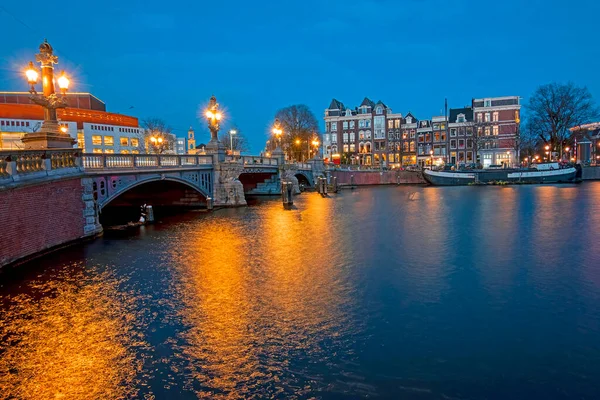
[166, 198]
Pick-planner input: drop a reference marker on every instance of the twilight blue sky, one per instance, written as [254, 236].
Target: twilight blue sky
[166, 58]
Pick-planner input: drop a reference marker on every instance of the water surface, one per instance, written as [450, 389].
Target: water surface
[385, 292]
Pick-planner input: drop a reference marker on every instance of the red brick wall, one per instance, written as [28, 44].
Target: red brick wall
[37, 217]
[378, 177]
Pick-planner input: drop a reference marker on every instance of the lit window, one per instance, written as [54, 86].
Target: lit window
[397, 123]
[352, 147]
[97, 151]
[80, 141]
[495, 116]
[487, 117]
[97, 140]
[135, 142]
[124, 151]
[109, 140]
[479, 117]
[109, 151]
[390, 123]
[495, 130]
[345, 148]
[124, 141]
[135, 152]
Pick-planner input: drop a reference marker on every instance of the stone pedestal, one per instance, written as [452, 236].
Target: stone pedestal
[48, 137]
[217, 150]
[279, 155]
[228, 191]
[44, 141]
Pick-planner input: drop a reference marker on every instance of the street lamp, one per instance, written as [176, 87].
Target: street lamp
[231, 133]
[278, 132]
[508, 156]
[548, 152]
[297, 141]
[431, 162]
[214, 116]
[315, 143]
[50, 135]
[157, 141]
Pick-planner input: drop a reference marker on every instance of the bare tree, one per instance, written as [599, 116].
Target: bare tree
[554, 108]
[159, 129]
[529, 142]
[300, 128]
[236, 142]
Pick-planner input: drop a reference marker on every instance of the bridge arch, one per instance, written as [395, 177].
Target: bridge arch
[121, 190]
[305, 179]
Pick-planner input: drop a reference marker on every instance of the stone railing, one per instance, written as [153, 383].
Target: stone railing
[303, 165]
[18, 165]
[253, 160]
[142, 161]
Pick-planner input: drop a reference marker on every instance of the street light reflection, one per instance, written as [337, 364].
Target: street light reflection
[76, 342]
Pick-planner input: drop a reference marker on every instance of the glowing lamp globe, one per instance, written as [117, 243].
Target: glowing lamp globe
[31, 73]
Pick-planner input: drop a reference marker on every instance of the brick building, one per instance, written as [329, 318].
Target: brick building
[497, 120]
[370, 134]
[461, 137]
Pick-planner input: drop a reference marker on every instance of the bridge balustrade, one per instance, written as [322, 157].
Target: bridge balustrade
[142, 161]
[17, 164]
[253, 160]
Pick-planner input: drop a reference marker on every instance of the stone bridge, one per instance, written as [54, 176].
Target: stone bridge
[51, 197]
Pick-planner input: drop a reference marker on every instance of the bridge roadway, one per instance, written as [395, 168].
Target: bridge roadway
[52, 197]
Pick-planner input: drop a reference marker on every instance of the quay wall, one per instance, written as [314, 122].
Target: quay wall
[378, 177]
[591, 173]
[36, 218]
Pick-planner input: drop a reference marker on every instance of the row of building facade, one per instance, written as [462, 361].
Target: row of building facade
[371, 134]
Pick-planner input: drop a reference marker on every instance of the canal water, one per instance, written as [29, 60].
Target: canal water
[382, 292]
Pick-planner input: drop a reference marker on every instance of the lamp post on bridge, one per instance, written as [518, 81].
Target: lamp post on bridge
[214, 117]
[278, 132]
[50, 136]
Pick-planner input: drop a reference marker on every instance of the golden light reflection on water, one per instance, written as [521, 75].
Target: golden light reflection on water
[76, 342]
[251, 300]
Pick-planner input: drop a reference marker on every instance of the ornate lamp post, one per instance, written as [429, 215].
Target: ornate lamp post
[315, 144]
[214, 117]
[50, 135]
[278, 132]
